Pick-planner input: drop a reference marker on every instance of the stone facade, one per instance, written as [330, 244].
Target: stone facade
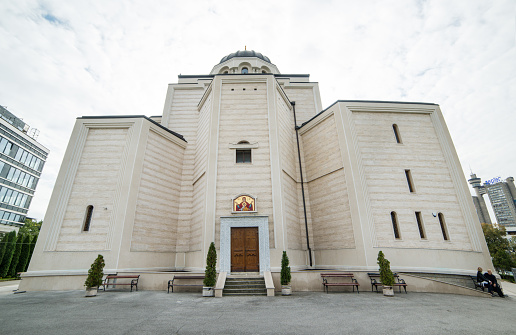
[162, 188]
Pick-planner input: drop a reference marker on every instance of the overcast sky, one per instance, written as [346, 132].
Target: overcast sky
[63, 59]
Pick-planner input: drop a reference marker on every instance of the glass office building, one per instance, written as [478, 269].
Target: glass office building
[21, 161]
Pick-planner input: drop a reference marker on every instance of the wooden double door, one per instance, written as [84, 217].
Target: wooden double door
[245, 249]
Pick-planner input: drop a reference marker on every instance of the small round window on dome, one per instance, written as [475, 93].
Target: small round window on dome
[245, 70]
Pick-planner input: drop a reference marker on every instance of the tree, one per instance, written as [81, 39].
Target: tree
[386, 275]
[8, 255]
[16, 256]
[285, 275]
[24, 255]
[95, 273]
[499, 247]
[211, 261]
[32, 246]
[30, 227]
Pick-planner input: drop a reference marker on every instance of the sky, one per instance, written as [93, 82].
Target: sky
[60, 60]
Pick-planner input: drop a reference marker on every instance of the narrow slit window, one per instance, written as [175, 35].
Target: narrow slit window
[396, 133]
[410, 182]
[243, 155]
[395, 225]
[443, 226]
[420, 226]
[87, 218]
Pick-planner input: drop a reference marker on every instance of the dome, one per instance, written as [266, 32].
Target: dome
[245, 53]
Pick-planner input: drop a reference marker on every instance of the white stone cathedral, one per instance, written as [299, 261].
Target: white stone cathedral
[248, 158]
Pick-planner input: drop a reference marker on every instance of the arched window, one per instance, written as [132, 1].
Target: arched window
[443, 226]
[245, 70]
[87, 218]
[395, 225]
[420, 226]
[396, 133]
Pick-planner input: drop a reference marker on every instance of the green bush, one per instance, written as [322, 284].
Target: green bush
[8, 255]
[24, 255]
[210, 275]
[507, 277]
[32, 246]
[16, 257]
[386, 275]
[285, 269]
[3, 246]
[95, 273]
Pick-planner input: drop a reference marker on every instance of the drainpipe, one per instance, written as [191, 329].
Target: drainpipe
[302, 186]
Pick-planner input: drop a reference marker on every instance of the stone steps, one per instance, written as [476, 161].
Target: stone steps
[245, 286]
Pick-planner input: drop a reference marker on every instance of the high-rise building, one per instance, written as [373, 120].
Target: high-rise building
[21, 161]
[478, 200]
[246, 157]
[502, 195]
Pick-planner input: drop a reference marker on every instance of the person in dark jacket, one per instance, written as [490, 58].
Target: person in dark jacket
[493, 284]
[481, 280]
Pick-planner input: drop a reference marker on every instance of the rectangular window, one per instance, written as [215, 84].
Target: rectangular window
[7, 148]
[16, 175]
[23, 156]
[420, 226]
[410, 182]
[395, 226]
[8, 194]
[24, 201]
[3, 143]
[243, 155]
[37, 165]
[11, 173]
[19, 154]
[443, 226]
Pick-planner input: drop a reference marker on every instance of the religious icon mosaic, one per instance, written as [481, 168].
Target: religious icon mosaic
[244, 203]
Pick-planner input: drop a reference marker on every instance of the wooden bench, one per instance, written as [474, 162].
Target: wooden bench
[172, 283]
[477, 284]
[353, 282]
[133, 283]
[375, 283]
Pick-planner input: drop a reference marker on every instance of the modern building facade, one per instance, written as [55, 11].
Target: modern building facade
[502, 195]
[21, 161]
[246, 157]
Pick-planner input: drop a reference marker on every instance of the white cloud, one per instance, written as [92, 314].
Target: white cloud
[61, 60]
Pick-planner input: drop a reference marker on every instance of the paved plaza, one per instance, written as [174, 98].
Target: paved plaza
[154, 312]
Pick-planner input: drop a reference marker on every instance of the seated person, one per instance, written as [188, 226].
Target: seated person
[481, 280]
[493, 284]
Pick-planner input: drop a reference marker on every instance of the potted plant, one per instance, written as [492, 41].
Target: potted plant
[285, 275]
[386, 275]
[95, 274]
[210, 275]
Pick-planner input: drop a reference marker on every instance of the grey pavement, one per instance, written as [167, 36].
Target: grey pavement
[154, 312]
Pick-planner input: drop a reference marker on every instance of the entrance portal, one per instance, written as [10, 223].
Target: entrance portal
[245, 249]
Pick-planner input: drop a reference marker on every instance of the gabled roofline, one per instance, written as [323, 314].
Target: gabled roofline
[134, 117]
[367, 101]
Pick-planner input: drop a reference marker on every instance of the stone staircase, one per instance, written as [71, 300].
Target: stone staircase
[244, 286]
